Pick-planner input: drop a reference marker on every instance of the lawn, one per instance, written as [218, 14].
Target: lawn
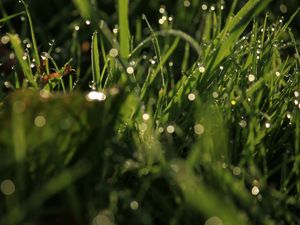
[149, 112]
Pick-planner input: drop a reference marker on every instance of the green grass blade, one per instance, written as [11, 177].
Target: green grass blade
[33, 39]
[124, 28]
[16, 45]
[95, 60]
[11, 17]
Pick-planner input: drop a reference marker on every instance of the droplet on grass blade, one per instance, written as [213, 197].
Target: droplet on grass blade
[40, 121]
[191, 97]
[134, 205]
[170, 129]
[255, 190]
[95, 96]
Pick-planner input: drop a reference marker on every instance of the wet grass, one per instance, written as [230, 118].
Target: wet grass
[149, 118]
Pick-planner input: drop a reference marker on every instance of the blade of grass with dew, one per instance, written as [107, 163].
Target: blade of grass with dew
[153, 75]
[95, 61]
[33, 39]
[16, 45]
[235, 28]
[124, 38]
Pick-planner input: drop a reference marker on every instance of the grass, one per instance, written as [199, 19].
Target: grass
[194, 119]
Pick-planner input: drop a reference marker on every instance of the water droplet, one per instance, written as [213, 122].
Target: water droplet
[236, 171]
[115, 30]
[170, 129]
[7, 187]
[251, 78]
[51, 43]
[267, 125]
[221, 67]
[130, 70]
[92, 85]
[96, 96]
[296, 94]
[103, 219]
[146, 116]
[12, 56]
[32, 65]
[255, 190]
[88, 22]
[212, 8]
[5, 39]
[40, 121]
[199, 129]
[28, 45]
[191, 97]
[187, 3]
[204, 7]
[296, 102]
[162, 9]
[160, 129]
[201, 69]
[214, 221]
[22, 18]
[233, 102]
[283, 8]
[134, 205]
[215, 94]
[152, 61]
[76, 28]
[113, 52]
[243, 123]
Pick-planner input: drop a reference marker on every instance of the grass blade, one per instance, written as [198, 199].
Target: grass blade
[11, 17]
[16, 45]
[124, 28]
[95, 60]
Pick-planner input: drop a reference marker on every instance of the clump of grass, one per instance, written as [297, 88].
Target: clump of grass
[161, 127]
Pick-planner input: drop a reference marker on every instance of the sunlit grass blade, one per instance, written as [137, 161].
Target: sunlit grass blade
[33, 39]
[124, 28]
[95, 60]
[16, 45]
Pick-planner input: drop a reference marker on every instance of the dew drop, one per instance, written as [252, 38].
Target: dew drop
[243, 123]
[76, 28]
[134, 205]
[187, 3]
[40, 121]
[146, 116]
[215, 94]
[199, 129]
[5, 39]
[204, 7]
[255, 190]
[95, 96]
[296, 94]
[251, 78]
[7, 187]
[214, 221]
[170, 129]
[113, 52]
[267, 125]
[130, 70]
[191, 97]
[201, 69]
[88, 22]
